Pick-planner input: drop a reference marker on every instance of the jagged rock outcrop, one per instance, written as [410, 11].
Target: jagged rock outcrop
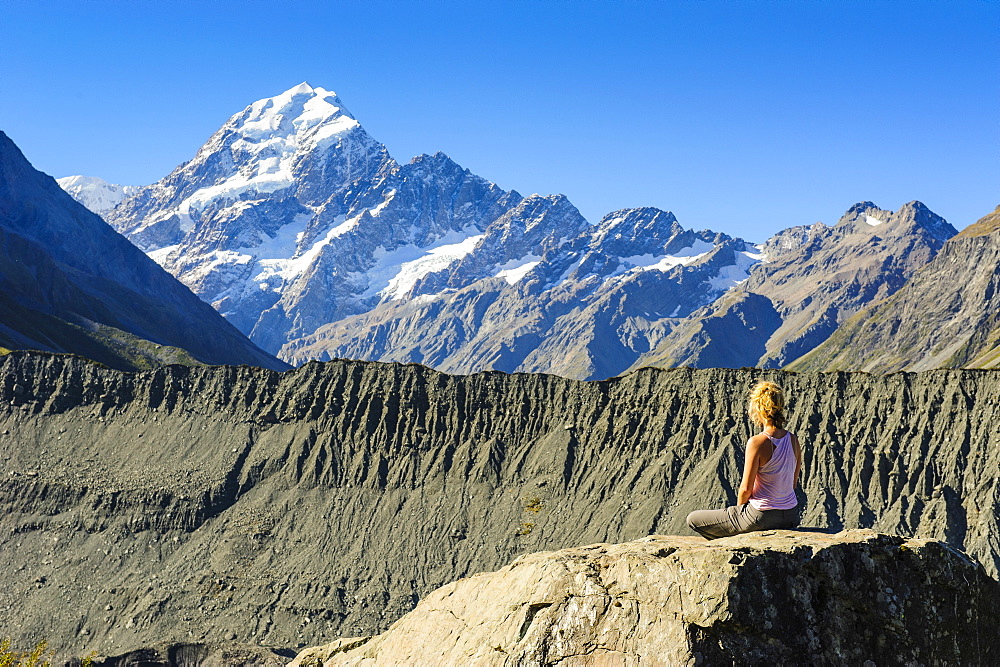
[70, 283]
[946, 316]
[586, 307]
[288, 509]
[777, 597]
[813, 279]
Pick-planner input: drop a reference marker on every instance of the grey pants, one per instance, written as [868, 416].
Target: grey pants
[712, 524]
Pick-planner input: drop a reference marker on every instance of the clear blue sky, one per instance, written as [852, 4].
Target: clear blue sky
[743, 117]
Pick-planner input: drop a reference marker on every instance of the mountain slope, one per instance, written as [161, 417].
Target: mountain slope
[70, 283]
[291, 216]
[814, 278]
[946, 316]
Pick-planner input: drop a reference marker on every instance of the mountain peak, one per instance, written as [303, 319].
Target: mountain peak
[861, 207]
[635, 222]
[927, 219]
[296, 110]
[269, 139]
[866, 214]
[302, 143]
[909, 216]
[95, 193]
[917, 210]
[79, 180]
[439, 162]
[302, 89]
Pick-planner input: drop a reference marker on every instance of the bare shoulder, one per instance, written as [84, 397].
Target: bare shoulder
[756, 441]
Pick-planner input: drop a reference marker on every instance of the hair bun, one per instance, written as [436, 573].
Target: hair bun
[767, 401]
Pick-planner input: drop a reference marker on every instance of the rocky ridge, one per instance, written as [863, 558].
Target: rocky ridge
[304, 232]
[585, 308]
[778, 597]
[947, 315]
[813, 279]
[287, 509]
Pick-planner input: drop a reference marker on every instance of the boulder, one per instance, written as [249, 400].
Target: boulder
[775, 597]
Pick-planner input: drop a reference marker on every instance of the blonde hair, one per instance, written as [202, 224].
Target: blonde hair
[767, 404]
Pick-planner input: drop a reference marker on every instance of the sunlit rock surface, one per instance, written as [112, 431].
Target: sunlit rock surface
[777, 597]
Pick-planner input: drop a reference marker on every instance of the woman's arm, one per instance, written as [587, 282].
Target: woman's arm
[750, 466]
[798, 460]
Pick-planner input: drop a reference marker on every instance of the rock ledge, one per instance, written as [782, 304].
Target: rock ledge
[790, 597]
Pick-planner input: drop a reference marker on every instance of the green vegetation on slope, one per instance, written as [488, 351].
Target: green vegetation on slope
[987, 224]
[105, 344]
[946, 316]
[39, 656]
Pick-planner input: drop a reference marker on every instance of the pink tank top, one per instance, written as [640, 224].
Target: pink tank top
[773, 489]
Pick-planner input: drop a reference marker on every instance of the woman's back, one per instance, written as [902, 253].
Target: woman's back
[774, 485]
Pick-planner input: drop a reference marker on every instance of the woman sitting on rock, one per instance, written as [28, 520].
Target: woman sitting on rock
[771, 471]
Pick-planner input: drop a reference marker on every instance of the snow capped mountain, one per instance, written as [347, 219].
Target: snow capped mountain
[292, 216]
[582, 301]
[309, 237]
[302, 230]
[282, 161]
[95, 193]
